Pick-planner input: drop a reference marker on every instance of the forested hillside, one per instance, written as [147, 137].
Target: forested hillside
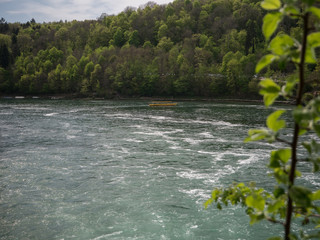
[203, 48]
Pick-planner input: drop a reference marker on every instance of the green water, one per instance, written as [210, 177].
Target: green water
[122, 170]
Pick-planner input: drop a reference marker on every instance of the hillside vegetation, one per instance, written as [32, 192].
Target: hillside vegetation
[205, 48]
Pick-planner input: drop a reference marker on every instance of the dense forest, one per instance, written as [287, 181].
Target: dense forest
[206, 48]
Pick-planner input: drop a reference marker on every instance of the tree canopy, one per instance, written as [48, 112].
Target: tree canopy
[185, 48]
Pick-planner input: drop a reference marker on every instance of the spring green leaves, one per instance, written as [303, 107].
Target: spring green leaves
[269, 134]
[270, 91]
[288, 200]
[271, 4]
[256, 201]
[253, 198]
[315, 11]
[284, 46]
[270, 24]
[313, 41]
[308, 117]
[265, 61]
[271, 20]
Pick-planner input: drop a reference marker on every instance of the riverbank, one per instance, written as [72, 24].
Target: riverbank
[156, 98]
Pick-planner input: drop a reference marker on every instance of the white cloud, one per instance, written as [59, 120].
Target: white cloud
[55, 10]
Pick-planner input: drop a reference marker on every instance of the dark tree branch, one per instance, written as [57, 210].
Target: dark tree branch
[294, 159]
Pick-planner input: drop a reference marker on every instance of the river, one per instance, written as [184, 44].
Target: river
[84, 169]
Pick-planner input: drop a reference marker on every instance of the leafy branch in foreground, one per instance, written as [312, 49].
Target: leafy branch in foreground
[288, 201]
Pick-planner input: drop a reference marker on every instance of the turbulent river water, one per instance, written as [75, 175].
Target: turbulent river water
[81, 169]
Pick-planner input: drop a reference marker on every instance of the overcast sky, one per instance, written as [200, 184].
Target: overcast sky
[56, 10]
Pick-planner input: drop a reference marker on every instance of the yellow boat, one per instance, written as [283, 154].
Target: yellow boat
[162, 104]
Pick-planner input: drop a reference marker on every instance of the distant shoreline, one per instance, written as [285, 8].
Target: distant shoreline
[183, 99]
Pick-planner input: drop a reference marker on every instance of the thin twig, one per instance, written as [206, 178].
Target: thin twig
[283, 141]
[296, 210]
[275, 221]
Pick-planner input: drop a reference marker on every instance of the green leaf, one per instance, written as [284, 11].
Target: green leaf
[257, 134]
[316, 127]
[269, 86]
[315, 11]
[254, 218]
[271, 4]
[310, 55]
[215, 194]
[273, 123]
[290, 84]
[279, 191]
[281, 175]
[208, 202]
[315, 196]
[265, 61]
[313, 41]
[275, 206]
[275, 238]
[281, 44]
[278, 157]
[309, 2]
[219, 206]
[274, 161]
[300, 195]
[284, 154]
[270, 24]
[308, 147]
[270, 91]
[291, 10]
[269, 99]
[255, 201]
[293, 236]
[302, 115]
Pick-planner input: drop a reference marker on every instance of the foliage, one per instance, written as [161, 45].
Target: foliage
[289, 200]
[186, 48]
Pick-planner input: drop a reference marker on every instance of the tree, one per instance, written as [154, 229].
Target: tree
[289, 200]
[165, 44]
[134, 39]
[4, 56]
[4, 26]
[95, 77]
[118, 37]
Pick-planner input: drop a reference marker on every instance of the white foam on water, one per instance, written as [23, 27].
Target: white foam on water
[192, 141]
[313, 179]
[207, 177]
[124, 150]
[250, 160]
[158, 133]
[197, 193]
[220, 140]
[71, 137]
[6, 113]
[125, 116]
[159, 117]
[31, 107]
[206, 134]
[175, 147]
[108, 235]
[51, 114]
[208, 153]
[133, 140]
[91, 134]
